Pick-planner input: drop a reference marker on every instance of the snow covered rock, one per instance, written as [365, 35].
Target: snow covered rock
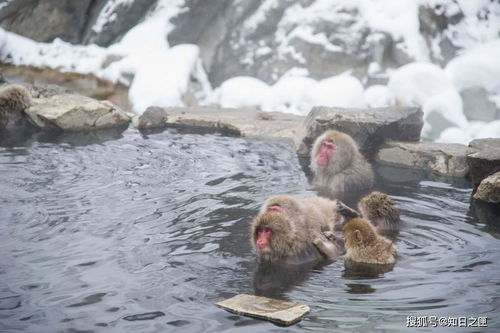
[70, 112]
[369, 127]
[483, 158]
[489, 189]
[443, 159]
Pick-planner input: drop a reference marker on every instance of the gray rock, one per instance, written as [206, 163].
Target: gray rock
[477, 105]
[483, 158]
[46, 20]
[235, 122]
[368, 127]
[438, 125]
[153, 117]
[120, 17]
[75, 113]
[441, 158]
[489, 189]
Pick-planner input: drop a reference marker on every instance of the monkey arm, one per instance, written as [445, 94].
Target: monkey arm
[329, 245]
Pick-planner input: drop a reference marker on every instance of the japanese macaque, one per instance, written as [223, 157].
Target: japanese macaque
[338, 165]
[14, 99]
[381, 211]
[288, 228]
[363, 244]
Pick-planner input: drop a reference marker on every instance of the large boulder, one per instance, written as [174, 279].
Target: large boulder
[370, 128]
[483, 158]
[46, 20]
[446, 159]
[489, 189]
[71, 112]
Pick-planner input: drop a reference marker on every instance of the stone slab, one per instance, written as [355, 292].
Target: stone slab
[277, 311]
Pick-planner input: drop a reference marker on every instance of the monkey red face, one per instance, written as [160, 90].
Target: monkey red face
[263, 238]
[326, 151]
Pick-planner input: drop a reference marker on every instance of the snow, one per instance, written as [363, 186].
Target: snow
[293, 94]
[241, 91]
[475, 130]
[163, 79]
[378, 96]
[479, 67]
[160, 74]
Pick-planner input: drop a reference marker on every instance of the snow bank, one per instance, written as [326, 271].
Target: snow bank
[162, 78]
[479, 67]
[428, 86]
[291, 93]
[475, 130]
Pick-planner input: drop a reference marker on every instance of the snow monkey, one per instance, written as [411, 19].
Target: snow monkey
[338, 165]
[381, 211]
[287, 228]
[363, 243]
[14, 99]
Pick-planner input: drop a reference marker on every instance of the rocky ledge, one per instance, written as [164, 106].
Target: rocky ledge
[441, 158]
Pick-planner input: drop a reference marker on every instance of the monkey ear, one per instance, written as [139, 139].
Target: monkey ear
[357, 236]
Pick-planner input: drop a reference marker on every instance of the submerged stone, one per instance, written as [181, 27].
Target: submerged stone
[277, 311]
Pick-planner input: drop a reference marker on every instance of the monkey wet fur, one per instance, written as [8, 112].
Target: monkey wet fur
[287, 227]
[364, 244]
[338, 165]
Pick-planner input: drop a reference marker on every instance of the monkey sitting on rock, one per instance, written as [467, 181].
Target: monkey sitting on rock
[14, 99]
[337, 164]
[287, 229]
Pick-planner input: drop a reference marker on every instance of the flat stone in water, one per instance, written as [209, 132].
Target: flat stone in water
[277, 311]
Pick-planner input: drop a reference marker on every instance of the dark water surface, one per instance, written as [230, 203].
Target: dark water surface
[144, 233]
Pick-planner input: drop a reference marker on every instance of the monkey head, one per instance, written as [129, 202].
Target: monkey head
[282, 204]
[272, 236]
[358, 233]
[380, 210]
[332, 152]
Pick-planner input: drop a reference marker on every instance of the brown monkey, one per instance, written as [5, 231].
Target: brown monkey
[338, 165]
[364, 244]
[14, 99]
[381, 211]
[287, 229]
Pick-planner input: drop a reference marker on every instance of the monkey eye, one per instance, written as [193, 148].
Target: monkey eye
[274, 208]
[265, 230]
[328, 144]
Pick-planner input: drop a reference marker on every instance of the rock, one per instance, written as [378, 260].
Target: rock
[109, 20]
[369, 127]
[489, 189]
[45, 20]
[74, 113]
[478, 106]
[280, 312]
[446, 159]
[483, 158]
[235, 122]
[45, 82]
[153, 117]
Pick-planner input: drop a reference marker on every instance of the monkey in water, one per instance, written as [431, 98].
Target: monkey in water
[381, 211]
[364, 245]
[287, 229]
[14, 99]
[337, 164]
